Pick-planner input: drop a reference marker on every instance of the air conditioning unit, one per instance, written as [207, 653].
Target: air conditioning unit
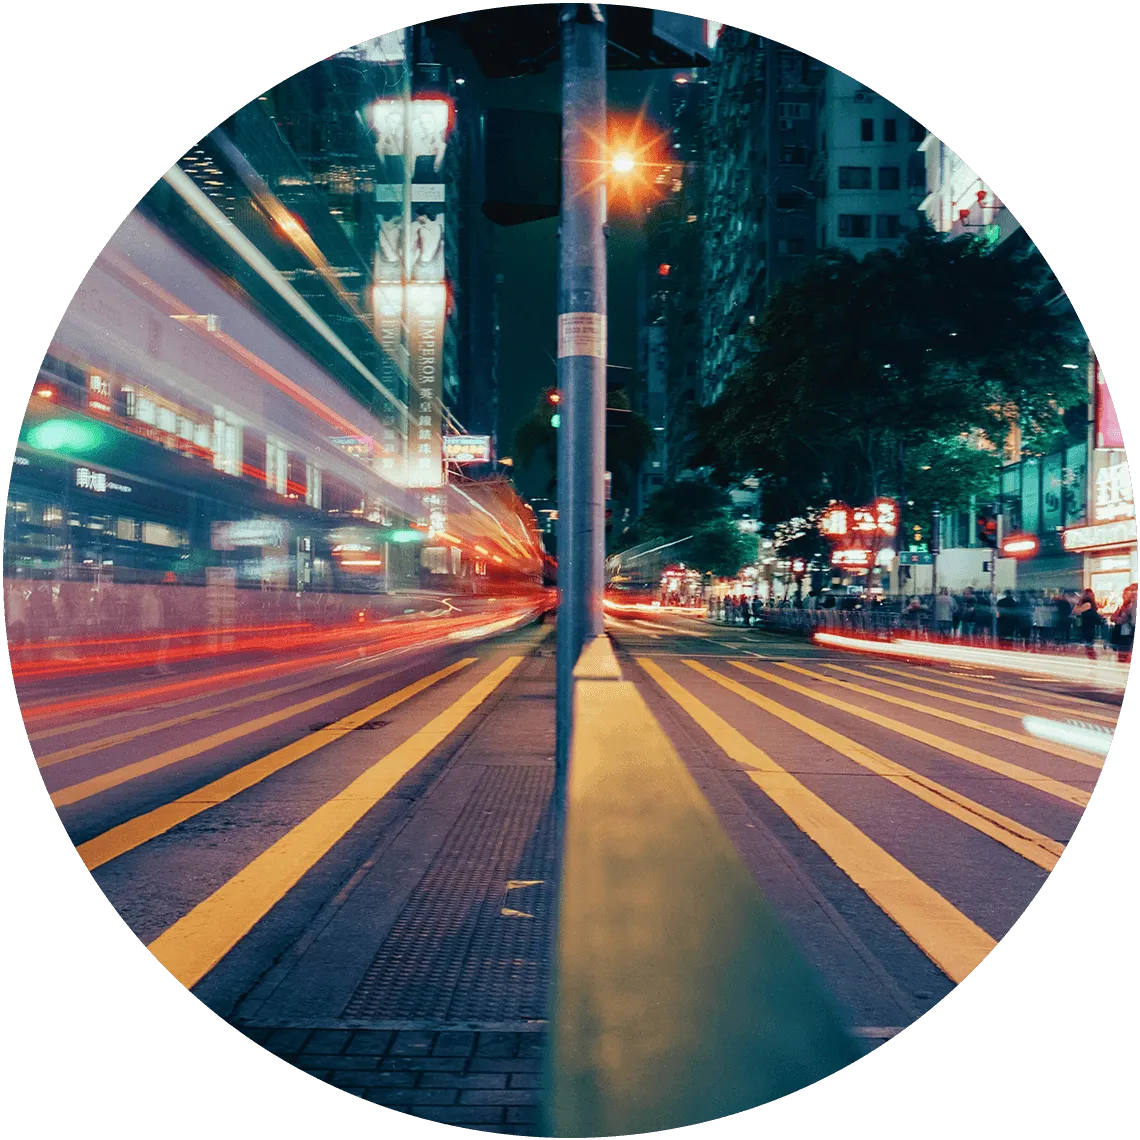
[864, 96]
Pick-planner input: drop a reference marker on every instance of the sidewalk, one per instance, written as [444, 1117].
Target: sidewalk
[423, 985]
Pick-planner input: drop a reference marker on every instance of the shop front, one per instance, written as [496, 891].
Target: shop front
[1107, 541]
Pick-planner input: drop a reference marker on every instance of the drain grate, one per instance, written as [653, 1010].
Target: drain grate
[472, 942]
[320, 726]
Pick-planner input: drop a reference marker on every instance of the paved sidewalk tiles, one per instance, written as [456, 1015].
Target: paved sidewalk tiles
[486, 1080]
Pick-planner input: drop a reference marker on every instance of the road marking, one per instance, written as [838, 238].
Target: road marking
[948, 938]
[669, 629]
[1017, 714]
[74, 793]
[135, 832]
[1061, 750]
[620, 626]
[990, 692]
[199, 940]
[1026, 776]
[51, 758]
[1029, 844]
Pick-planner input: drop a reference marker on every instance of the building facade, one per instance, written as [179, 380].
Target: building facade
[872, 175]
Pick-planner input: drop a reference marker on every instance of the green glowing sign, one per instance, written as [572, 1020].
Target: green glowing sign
[65, 435]
[405, 536]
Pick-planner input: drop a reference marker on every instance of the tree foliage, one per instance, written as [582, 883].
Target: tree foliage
[701, 513]
[859, 367]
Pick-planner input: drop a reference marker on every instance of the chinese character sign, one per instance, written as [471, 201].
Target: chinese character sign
[1113, 493]
[886, 517]
[836, 521]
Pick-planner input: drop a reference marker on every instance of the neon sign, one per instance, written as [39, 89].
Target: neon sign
[1020, 546]
[836, 521]
[1105, 534]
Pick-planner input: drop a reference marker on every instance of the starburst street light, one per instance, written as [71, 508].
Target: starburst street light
[632, 159]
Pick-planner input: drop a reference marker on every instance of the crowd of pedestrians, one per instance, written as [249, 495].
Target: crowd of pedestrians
[1031, 617]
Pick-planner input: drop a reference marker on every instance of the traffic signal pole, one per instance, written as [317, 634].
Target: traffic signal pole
[993, 581]
[581, 355]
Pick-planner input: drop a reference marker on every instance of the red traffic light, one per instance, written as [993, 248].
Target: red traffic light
[554, 396]
[1020, 546]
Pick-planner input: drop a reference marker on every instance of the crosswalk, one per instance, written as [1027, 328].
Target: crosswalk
[923, 787]
[801, 730]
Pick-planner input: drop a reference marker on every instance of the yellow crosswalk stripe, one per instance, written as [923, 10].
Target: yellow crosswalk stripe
[1062, 750]
[48, 759]
[1027, 776]
[1030, 844]
[952, 941]
[199, 940]
[966, 702]
[135, 832]
[1036, 703]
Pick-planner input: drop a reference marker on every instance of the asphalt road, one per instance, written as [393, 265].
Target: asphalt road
[361, 844]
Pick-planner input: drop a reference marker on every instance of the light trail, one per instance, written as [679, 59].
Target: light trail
[1074, 733]
[1112, 675]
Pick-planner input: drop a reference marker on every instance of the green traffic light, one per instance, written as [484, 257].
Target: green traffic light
[65, 435]
[555, 420]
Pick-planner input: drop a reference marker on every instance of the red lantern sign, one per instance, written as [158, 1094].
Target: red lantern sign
[835, 522]
[886, 517]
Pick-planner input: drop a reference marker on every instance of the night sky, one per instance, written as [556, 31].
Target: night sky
[527, 259]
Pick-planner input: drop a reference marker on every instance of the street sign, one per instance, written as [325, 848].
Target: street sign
[916, 558]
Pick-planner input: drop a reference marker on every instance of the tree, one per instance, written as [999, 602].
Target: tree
[856, 364]
[701, 513]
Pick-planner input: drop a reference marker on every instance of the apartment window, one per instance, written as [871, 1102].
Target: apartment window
[889, 177]
[854, 225]
[789, 201]
[887, 226]
[792, 246]
[890, 130]
[793, 156]
[792, 110]
[916, 171]
[854, 178]
[917, 131]
[867, 130]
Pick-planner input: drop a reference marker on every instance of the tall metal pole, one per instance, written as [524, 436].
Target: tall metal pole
[581, 352]
[993, 578]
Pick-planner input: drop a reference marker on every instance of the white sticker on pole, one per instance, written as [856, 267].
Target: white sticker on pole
[582, 334]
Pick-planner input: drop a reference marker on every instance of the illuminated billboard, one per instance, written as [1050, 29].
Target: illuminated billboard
[1108, 433]
[467, 448]
[427, 122]
[427, 308]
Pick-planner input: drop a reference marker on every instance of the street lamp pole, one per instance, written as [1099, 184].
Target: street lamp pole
[581, 353]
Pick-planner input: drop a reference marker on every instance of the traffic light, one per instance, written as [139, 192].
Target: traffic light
[986, 525]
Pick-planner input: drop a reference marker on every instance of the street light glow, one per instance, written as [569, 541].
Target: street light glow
[623, 162]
